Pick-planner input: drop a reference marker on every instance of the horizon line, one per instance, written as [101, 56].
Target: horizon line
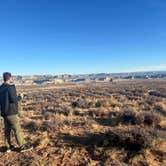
[123, 72]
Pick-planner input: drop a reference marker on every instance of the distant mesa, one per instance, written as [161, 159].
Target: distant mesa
[85, 78]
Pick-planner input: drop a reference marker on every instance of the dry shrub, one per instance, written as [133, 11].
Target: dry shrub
[130, 139]
[134, 139]
[62, 111]
[76, 112]
[100, 112]
[149, 118]
[137, 160]
[74, 156]
[138, 92]
[157, 94]
[80, 103]
[31, 126]
[106, 102]
[161, 108]
[42, 142]
[45, 126]
[48, 115]
[128, 117]
[75, 104]
[151, 100]
[25, 160]
[162, 125]
[56, 111]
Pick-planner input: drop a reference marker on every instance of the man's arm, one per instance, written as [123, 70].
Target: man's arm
[13, 94]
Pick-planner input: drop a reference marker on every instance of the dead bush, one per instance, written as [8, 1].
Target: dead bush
[80, 103]
[134, 139]
[152, 100]
[31, 126]
[131, 139]
[160, 108]
[48, 115]
[128, 117]
[149, 118]
[157, 93]
[106, 102]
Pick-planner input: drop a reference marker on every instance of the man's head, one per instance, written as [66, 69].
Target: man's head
[7, 77]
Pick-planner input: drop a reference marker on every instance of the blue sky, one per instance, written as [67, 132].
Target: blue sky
[82, 36]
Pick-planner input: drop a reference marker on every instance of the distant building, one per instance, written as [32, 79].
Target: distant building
[81, 80]
[28, 82]
[105, 79]
[42, 81]
[58, 81]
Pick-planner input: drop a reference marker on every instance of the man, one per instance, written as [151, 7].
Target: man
[9, 112]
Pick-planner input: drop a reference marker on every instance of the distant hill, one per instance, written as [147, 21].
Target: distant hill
[96, 77]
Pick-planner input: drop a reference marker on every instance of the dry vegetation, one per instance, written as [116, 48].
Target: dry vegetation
[116, 124]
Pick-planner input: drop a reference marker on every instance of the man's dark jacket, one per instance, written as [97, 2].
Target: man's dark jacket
[8, 100]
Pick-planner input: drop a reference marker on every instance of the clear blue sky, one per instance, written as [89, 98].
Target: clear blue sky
[82, 36]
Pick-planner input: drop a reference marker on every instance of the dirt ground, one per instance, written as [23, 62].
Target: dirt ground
[114, 124]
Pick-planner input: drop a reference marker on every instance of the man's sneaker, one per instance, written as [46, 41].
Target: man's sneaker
[9, 149]
[25, 148]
